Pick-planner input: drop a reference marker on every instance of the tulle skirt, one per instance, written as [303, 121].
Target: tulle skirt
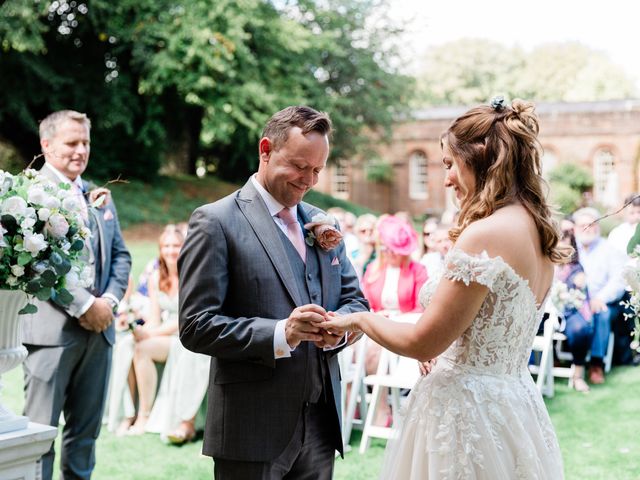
[461, 423]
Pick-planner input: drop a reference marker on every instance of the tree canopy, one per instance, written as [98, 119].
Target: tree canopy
[169, 82]
[471, 71]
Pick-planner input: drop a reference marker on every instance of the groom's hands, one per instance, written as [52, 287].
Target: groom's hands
[303, 326]
[300, 328]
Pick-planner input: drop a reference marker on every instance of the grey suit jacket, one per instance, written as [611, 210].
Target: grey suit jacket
[52, 324]
[236, 282]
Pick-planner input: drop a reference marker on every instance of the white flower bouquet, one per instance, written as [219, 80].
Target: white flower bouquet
[564, 297]
[42, 236]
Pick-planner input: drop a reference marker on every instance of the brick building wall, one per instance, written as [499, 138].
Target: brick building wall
[604, 137]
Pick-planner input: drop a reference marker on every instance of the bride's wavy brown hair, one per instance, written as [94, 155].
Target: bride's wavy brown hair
[501, 148]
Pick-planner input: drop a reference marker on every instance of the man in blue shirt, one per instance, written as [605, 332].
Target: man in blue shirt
[603, 265]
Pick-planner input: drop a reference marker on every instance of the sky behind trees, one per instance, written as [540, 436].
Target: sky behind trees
[607, 26]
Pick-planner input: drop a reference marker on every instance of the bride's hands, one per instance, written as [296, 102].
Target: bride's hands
[341, 324]
[426, 367]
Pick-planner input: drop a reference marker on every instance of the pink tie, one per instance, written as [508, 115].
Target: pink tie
[83, 203]
[293, 232]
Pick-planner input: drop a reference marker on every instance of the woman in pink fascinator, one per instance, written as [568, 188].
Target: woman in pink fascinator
[393, 281]
[391, 284]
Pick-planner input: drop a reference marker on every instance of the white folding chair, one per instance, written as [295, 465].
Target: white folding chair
[352, 370]
[394, 372]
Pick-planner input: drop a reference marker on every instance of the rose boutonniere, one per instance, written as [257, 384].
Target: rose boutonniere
[322, 230]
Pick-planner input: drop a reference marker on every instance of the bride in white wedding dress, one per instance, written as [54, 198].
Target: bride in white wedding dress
[478, 415]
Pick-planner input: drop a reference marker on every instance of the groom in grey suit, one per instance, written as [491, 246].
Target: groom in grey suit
[250, 288]
[67, 368]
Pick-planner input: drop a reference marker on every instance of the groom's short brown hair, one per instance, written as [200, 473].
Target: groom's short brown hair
[306, 118]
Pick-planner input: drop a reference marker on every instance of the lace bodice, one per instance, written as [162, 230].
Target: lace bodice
[499, 339]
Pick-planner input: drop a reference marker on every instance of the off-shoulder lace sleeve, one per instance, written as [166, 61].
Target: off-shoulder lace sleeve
[479, 268]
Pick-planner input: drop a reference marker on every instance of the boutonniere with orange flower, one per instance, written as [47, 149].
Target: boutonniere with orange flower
[322, 231]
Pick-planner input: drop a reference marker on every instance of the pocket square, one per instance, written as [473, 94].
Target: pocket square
[108, 215]
[335, 261]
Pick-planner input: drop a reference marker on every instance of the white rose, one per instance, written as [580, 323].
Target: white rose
[31, 173]
[44, 214]
[6, 182]
[34, 243]
[14, 206]
[57, 225]
[28, 223]
[12, 281]
[71, 203]
[17, 270]
[36, 195]
[51, 203]
[2, 242]
[631, 275]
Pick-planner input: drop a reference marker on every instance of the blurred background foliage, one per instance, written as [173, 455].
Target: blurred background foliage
[171, 85]
[167, 83]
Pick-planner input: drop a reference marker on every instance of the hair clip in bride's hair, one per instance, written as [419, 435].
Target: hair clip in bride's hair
[498, 103]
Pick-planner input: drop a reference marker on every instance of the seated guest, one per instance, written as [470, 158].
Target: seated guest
[153, 339]
[440, 242]
[603, 265]
[365, 252]
[621, 234]
[182, 391]
[392, 283]
[578, 320]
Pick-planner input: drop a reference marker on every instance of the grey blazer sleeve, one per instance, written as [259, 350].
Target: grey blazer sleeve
[120, 265]
[203, 268]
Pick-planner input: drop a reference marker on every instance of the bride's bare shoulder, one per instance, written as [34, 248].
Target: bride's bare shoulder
[503, 233]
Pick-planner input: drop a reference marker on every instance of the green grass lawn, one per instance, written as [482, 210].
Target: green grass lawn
[599, 433]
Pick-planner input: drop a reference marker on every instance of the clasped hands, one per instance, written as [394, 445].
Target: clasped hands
[98, 317]
[312, 323]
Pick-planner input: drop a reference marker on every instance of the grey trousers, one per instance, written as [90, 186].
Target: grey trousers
[72, 379]
[309, 455]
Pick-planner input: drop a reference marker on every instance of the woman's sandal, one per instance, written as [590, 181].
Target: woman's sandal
[182, 435]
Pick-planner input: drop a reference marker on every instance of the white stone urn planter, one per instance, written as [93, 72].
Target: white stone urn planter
[12, 352]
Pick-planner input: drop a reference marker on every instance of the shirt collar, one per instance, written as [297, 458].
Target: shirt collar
[273, 205]
[63, 178]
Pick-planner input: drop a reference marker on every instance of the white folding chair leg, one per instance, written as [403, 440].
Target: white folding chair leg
[544, 371]
[608, 358]
[357, 391]
[376, 393]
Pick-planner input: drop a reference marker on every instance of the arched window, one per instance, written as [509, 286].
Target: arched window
[418, 176]
[340, 180]
[605, 178]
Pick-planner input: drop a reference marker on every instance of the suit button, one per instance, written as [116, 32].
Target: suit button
[309, 276]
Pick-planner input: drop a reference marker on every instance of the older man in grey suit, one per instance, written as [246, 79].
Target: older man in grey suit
[69, 347]
[249, 289]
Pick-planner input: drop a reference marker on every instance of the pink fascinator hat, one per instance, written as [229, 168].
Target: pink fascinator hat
[397, 235]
